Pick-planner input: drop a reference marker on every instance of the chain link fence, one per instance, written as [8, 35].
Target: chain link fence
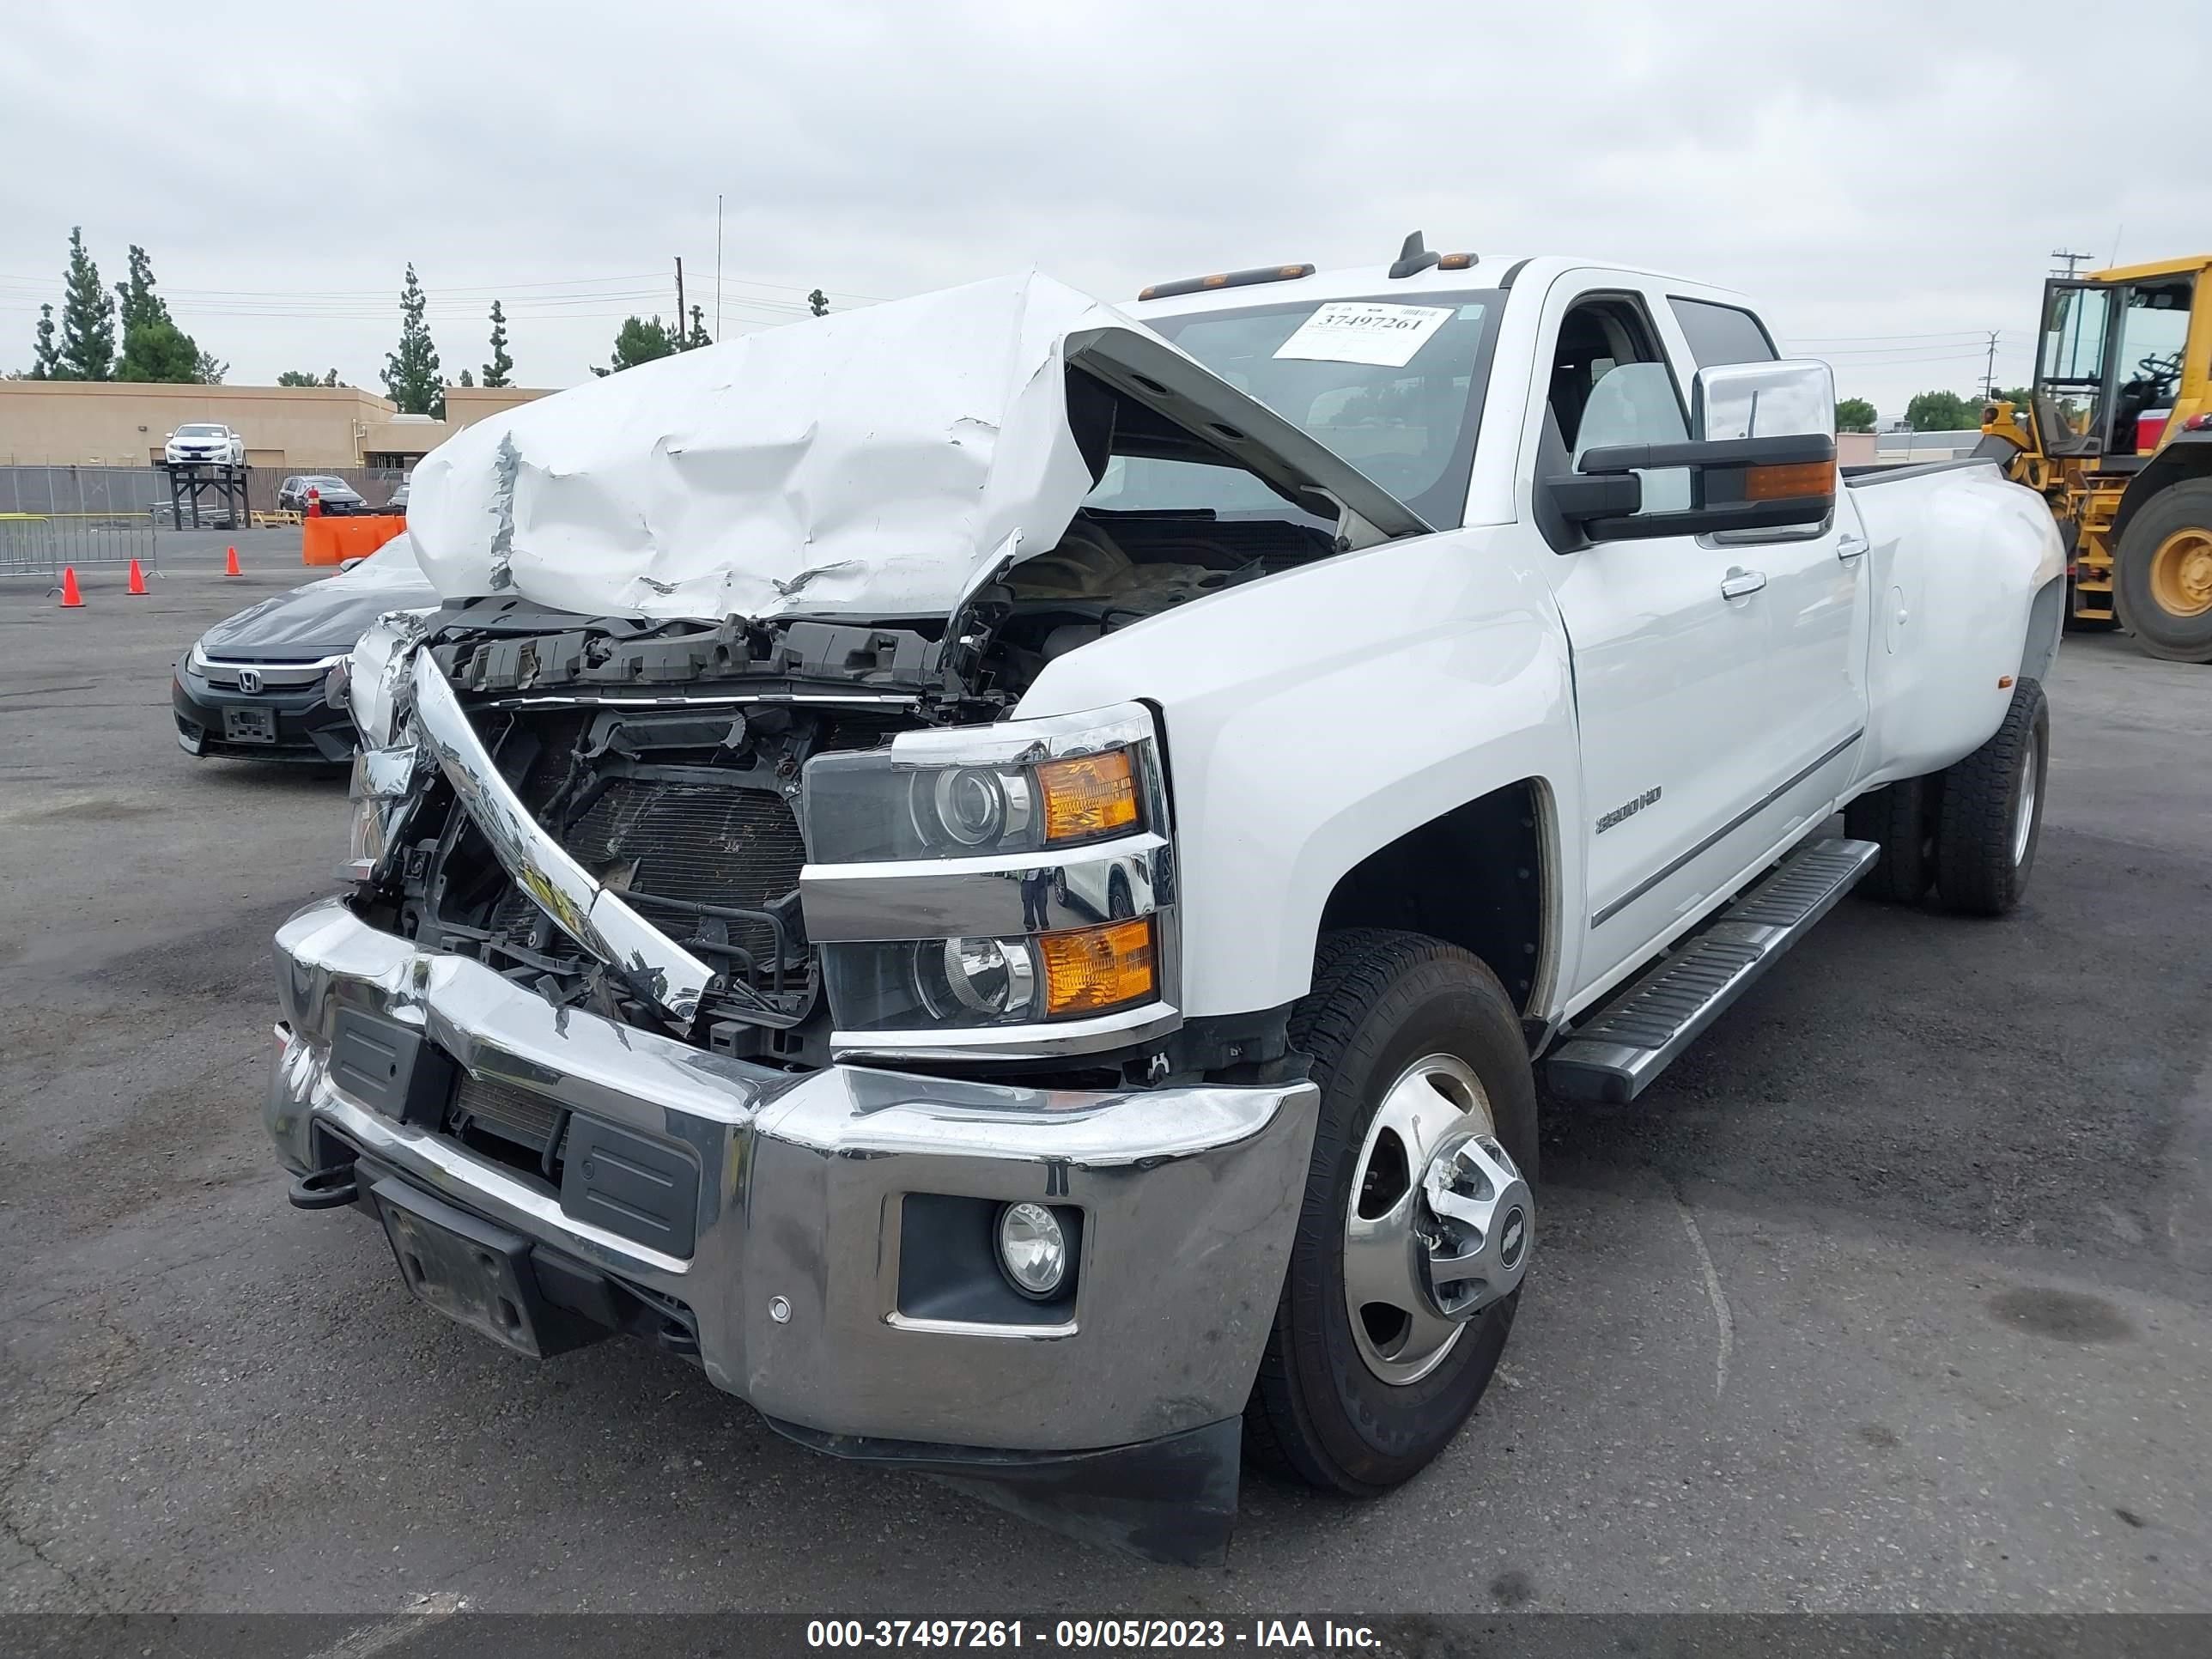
[64, 491]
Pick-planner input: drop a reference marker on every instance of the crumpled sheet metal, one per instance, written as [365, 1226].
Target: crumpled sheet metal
[879, 462]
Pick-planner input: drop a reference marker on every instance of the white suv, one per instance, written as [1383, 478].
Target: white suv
[205, 441]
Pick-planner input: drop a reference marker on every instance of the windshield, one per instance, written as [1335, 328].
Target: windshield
[1393, 387]
[200, 431]
[393, 563]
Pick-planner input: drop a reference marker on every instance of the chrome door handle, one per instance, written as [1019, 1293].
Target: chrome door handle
[1849, 546]
[1739, 581]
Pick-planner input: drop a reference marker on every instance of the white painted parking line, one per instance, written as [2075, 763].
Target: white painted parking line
[375, 1638]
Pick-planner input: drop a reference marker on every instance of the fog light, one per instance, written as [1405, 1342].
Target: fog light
[1032, 1248]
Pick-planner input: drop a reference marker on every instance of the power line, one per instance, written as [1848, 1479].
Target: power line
[1868, 365]
[383, 297]
[1940, 334]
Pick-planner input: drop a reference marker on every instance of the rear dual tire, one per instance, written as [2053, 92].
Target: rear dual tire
[1971, 830]
[1900, 818]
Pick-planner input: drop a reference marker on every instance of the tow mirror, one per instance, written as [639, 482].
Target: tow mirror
[1764, 457]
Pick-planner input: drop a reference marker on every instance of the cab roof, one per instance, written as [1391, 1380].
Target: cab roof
[2156, 268]
[1489, 271]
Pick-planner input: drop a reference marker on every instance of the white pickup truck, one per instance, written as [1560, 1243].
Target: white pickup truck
[1001, 873]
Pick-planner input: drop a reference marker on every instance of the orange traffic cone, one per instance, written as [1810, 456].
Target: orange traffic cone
[230, 563]
[137, 578]
[72, 599]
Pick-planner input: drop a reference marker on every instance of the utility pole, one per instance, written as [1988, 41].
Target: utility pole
[717, 264]
[2072, 260]
[1990, 371]
[683, 326]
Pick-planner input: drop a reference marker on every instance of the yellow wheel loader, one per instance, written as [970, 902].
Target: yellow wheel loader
[2117, 438]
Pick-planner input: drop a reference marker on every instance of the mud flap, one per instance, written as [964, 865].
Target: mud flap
[1172, 1500]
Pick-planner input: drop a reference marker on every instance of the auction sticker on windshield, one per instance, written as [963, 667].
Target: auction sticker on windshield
[1365, 331]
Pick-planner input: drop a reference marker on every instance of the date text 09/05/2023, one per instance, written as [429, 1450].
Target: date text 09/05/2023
[1123, 1634]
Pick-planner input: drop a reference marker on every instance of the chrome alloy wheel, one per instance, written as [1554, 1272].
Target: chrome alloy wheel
[1440, 1224]
[2023, 811]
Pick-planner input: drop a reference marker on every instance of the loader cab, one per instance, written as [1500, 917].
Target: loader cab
[2121, 361]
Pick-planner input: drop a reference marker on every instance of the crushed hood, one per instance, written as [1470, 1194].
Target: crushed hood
[881, 462]
[323, 618]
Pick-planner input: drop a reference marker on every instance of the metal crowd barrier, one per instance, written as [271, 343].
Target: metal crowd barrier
[39, 544]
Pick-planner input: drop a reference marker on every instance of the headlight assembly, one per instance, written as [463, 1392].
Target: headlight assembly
[972, 983]
[918, 801]
[377, 675]
[383, 794]
[1000, 890]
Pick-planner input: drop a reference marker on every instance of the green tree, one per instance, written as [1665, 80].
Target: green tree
[467, 379]
[298, 377]
[636, 343]
[47, 356]
[1942, 411]
[1855, 415]
[698, 337]
[158, 351]
[411, 373]
[153, 347]
[818, 303]
[141, 305]
[496, 372]
[87, 348]
[2018, 397]
[208, 370]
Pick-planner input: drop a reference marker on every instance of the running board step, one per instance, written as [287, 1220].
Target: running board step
[1614, 1058]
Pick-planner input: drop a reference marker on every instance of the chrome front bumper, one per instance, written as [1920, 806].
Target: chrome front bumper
[1189, 1198]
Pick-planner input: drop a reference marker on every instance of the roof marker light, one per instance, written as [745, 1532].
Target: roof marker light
[1226, 279]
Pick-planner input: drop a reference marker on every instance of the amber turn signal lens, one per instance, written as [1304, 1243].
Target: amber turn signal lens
[1088, 797]
[1786, 483]
[1091, 970]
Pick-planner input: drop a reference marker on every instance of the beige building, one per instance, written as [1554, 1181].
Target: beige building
[286, 428]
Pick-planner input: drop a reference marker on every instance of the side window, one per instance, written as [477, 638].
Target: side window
[2153, 333]
[1722, 334]
[1611, 385]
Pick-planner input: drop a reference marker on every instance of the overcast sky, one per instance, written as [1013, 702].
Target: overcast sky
[1888, 180]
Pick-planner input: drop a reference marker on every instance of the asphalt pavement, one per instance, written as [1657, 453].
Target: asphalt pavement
[1896, 1294]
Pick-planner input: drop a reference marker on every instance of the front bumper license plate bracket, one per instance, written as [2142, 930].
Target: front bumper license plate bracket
[476, 1273]
[249, 724]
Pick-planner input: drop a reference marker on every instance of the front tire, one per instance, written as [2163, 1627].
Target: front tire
[1991, 815]
[1422, 1063]
[2162, 574]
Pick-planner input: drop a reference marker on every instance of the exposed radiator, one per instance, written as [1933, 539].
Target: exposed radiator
[501, 1108]
[712, 845]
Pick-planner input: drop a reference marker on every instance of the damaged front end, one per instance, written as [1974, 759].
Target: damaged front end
[731, 961]
[729, 985]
